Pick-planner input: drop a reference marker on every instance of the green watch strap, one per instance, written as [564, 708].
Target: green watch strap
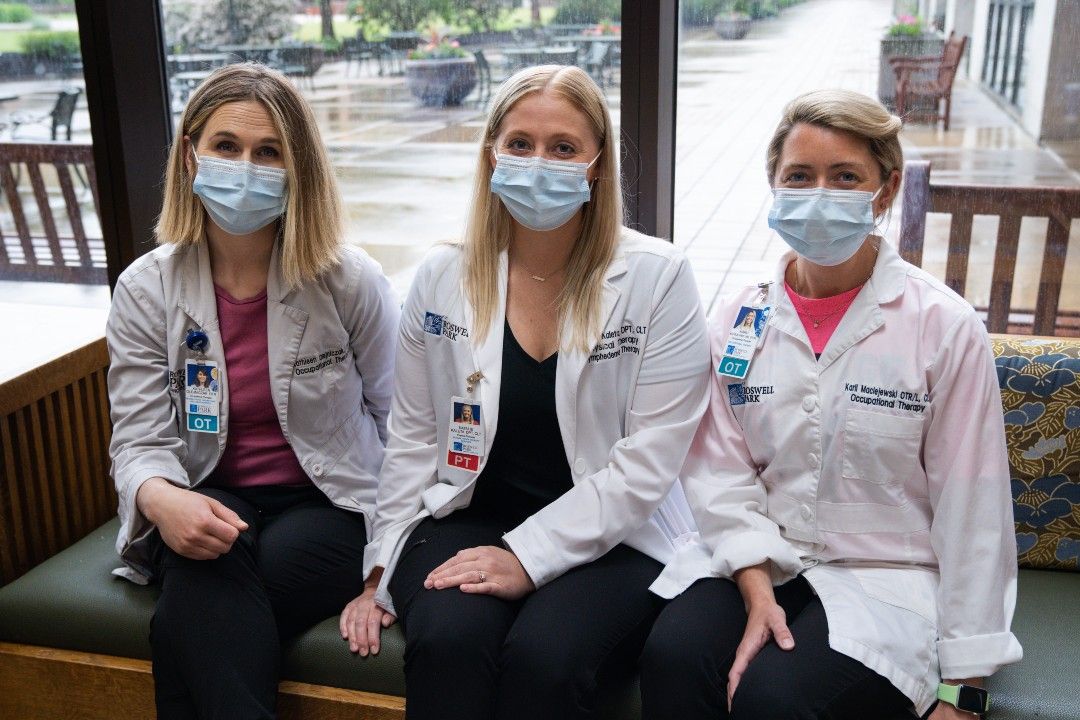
[974, 700]
[948, 693]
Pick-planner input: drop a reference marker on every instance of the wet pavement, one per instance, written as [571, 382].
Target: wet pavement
[405, 171]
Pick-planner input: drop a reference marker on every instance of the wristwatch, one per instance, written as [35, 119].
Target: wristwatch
[965, 697]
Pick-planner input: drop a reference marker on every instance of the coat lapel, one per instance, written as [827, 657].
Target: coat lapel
[572, 360]
[487, 358]
[285, 326]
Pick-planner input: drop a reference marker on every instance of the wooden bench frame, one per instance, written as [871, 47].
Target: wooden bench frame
[48, 255]
[54, 445]
[1011, 205]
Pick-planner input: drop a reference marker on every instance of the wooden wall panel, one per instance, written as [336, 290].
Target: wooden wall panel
[54, 476]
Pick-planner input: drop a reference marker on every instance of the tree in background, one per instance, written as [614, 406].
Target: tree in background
[193, 24]
[327, 14]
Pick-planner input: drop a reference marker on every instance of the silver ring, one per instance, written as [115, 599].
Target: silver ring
[483, 577]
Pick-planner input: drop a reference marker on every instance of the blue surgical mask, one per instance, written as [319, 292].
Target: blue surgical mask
[541, 194]
[827, 227]
[239, 196]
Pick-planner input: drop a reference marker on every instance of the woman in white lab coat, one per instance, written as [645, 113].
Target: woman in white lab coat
[251, 362]
[852, 490]
[518, 548]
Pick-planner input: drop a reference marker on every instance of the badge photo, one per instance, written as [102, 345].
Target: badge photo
[465, 436]
[742, 340]
[201, 395]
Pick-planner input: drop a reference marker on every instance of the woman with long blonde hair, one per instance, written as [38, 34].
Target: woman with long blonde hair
[518, 551]
[250, 382]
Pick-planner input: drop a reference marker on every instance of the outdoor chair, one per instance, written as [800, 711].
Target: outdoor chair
[924, 84]
[598, 62]
[299, 61]
[39, 249]
[357, 50]
[1059, 205]
[59, 117]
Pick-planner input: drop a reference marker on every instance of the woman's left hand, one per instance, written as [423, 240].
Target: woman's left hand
[486, 570]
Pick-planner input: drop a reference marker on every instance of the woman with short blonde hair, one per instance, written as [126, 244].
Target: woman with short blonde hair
[518, 549]
[852, 455]
[249, 383]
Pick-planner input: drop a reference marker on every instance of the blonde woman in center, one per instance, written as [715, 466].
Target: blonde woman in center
[518, 552]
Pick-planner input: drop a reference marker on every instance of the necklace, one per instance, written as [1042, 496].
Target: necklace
[816, 320]
[535, 276]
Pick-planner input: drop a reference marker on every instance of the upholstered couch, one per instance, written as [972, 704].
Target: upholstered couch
[73, 639]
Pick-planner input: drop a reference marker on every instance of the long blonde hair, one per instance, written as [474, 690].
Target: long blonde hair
[489, 226]
[311, 229]
[842, 110]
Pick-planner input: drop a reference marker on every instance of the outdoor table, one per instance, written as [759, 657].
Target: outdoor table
[249, 53]
[403, 41]
[190, 62]
[519, 57]
[560, 55]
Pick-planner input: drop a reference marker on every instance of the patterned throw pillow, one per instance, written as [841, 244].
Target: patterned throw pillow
[1040, 395]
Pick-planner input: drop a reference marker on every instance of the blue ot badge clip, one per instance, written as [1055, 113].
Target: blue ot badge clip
[745, 336]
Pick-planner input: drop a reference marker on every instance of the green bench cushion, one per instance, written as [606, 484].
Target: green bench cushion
[72, 602]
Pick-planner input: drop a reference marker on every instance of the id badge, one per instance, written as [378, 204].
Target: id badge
[743, 340]
[202, 396]
[465, 440]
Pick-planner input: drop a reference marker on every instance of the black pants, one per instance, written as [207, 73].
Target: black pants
[688, 655]
[215, 636]
[479, 657]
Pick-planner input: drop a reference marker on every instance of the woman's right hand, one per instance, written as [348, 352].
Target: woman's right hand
[765, 620]
[191, 524]
[362, 621]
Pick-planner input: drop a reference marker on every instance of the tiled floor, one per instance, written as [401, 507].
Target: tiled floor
[405, 172]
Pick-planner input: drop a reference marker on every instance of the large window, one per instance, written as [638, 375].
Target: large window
[400, 91]
[53, 291]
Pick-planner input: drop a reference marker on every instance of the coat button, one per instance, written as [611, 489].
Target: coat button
[813, 460]
[579, 466]
[806, 512]
[317, 470]
[808, 403]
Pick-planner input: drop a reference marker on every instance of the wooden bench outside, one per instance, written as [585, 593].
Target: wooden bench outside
[1060, 205]
[40, 248]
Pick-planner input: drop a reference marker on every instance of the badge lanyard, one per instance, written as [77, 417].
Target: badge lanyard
[745, 336]
[202, 383]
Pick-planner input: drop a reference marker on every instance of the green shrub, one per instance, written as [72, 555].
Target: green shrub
[14, 13]
[587, 12]
[50, 43]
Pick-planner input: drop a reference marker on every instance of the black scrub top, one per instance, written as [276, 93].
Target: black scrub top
[527, 468]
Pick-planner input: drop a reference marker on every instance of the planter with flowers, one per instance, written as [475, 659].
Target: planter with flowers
[907, 36]
[733, 19]
[440, 73]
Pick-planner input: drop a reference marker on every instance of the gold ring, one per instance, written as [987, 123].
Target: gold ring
[483, 577]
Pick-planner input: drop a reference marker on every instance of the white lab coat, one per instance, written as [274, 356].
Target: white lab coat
[627, 412]
[331, 355]
[879, 472]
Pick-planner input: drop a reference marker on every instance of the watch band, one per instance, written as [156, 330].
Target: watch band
[965, 697]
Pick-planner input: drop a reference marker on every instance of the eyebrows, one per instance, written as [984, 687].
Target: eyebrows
[228, 135]
[845, 165]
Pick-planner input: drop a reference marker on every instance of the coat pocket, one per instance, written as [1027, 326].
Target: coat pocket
[879, 447]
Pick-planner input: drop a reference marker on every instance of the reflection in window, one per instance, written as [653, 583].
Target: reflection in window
[400, 90]
[53, 291]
